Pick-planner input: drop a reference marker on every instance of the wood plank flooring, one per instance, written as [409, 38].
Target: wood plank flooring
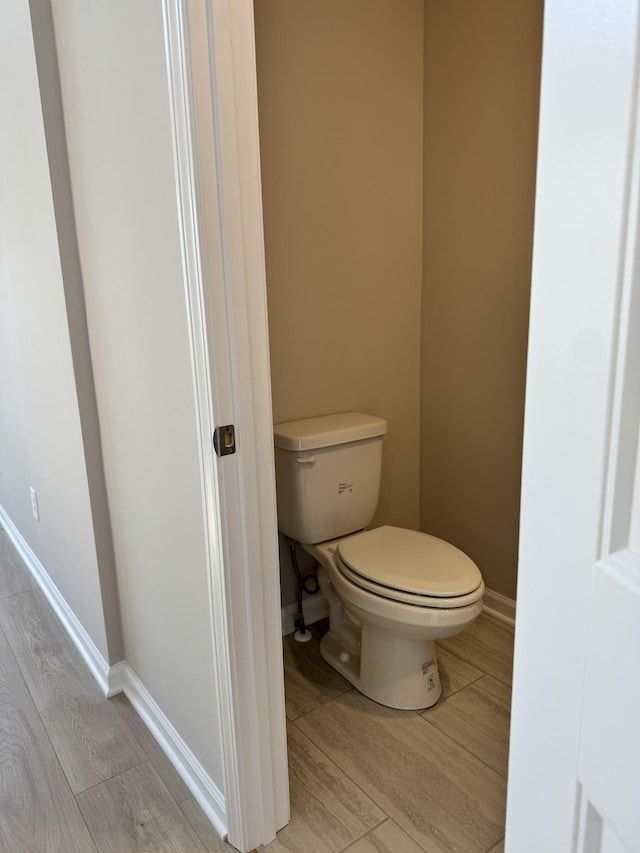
[82, 774]
[92, 741]
[135, 811]
[78, 773]
[434, 780]
[38, 811]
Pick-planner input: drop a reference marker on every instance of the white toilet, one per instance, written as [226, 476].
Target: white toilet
[391, 592]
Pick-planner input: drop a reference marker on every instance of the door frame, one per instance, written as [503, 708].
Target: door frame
[210, 51]
[212, 86]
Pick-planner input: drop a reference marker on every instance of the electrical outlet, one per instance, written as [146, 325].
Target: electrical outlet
[34, 503]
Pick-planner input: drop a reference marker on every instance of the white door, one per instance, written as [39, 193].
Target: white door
[574, 774]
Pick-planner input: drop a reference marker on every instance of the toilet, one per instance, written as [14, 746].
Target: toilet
[391, 592]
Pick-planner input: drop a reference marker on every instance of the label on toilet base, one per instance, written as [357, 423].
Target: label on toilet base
[429, 672]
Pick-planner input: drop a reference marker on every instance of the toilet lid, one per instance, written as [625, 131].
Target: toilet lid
[410, 561]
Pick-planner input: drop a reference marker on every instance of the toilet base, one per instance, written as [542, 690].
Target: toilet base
[396, 671]
[385, 648]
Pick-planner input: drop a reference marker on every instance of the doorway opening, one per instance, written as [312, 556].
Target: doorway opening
[398, 155]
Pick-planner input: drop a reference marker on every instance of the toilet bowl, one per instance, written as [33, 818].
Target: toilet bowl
[391, 591]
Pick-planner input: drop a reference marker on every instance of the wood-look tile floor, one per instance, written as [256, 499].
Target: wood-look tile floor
[366, 778]
[82, 774]
[78, 773]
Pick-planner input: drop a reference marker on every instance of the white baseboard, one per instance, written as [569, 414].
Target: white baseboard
[117, 679]
[195, 777]
[315, 608]
[500, 606]
[121, 678]
[81, 640]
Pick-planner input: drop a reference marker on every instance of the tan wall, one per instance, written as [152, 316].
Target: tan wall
[481, 83]
[340, 103]
[341, 93]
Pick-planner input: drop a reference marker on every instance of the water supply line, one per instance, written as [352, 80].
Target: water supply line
[307, 583]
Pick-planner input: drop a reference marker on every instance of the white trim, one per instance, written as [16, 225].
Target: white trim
[72, 625]
[193, 774]
[121, 678]
[315, 609]
[187, 174]
[624, 417]
[117, 679]
[499, 606]
[212, 88]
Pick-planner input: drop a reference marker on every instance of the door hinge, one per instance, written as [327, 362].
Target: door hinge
[224, 440]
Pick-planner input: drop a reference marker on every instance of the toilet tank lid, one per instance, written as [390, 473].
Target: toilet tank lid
[327, 430]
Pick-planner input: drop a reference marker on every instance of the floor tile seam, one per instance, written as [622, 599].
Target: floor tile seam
[159, 779]
[81, 676]
[193, 831]
[113, 776]
[459, 689]
[465, 749]
[61, 762]
[84, 820]
[7, 633]
[459, 654]
[143, 750]
[340, 691]
[426, 716]
[505, 659]
[306, 714]
[498, 678]
[17, 592]
[493, 674]
[370, 794]
[119, 710]
[479, 666]
[325, 701]
[348, 776]
[355, 841]
[150, 759]
[494, 845]
[55, 752]
[34, 588]
[377, 826]
[40, 707]
[445, 699]
[194, 827]
[321, 705]
[347, 689]
[91, 835]
[30, 693]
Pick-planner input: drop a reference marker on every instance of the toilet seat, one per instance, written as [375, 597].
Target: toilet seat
[410, 567]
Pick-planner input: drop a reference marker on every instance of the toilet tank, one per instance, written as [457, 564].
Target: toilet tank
[328, 475]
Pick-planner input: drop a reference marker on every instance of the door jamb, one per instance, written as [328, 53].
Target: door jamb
[210, 49]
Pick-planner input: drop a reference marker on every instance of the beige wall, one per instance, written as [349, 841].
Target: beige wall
[340, 104]
[481, 79]
[342, 87]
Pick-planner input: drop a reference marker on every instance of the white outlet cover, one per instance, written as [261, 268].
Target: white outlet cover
[34, 503]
